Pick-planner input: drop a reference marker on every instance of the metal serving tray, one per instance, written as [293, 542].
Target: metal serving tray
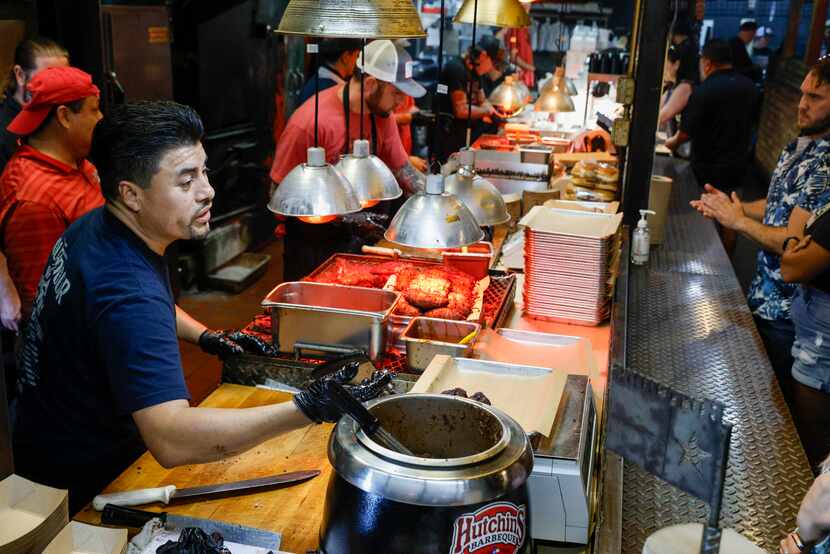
[427, 337]
[305, 314]
[498, 298]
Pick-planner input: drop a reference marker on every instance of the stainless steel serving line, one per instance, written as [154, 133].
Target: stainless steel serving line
[689, 327]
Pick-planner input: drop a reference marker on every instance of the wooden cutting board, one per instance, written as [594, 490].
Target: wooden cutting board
[295, 511]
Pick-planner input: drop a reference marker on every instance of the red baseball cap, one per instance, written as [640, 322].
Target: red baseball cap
[51, 87]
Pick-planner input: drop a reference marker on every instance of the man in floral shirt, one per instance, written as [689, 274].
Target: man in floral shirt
[799, 186]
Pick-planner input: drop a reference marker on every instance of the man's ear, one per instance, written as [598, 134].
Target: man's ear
[19, 75]
[131, 195]
[62, 116]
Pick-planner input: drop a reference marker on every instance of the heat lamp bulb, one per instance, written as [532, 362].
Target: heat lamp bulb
[317, 219]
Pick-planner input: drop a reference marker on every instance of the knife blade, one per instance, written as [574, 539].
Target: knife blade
[167, 493]
[231, 532]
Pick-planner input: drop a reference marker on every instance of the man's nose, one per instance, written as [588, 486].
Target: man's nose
[206, 192]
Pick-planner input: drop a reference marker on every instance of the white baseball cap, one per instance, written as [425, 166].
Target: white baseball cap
[392, 64]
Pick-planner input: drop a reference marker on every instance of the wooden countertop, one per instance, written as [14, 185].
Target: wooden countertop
[295, 510]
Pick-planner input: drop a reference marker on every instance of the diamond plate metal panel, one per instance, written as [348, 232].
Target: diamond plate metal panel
[690, 328]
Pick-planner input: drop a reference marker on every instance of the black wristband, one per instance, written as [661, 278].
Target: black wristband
[202, 338]
[787, 242]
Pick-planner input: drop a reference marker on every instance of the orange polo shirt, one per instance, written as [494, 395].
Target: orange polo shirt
[298, 135]
[46, 196]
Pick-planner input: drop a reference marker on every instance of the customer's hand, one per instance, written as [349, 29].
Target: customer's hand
[700, 206]
[803, 243]
[814, 515]
[10, 309]
[789, 545]
[418, 163]
[229, 343]
[315, 402]
[727, 210]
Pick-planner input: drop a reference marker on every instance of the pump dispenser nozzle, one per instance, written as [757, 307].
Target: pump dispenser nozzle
[642, 223]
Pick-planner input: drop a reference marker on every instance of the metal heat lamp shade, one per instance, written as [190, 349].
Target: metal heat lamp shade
[371, 180]
[434, 219]
[554, 97]
[479, 195]
[314, 191]
[369, 19]
[554, 101]
[509, 98]
[497, 13]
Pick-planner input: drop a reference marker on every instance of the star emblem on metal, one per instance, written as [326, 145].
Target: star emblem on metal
[693, 454]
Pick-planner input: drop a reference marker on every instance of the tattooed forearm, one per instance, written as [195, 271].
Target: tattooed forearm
[411, 179]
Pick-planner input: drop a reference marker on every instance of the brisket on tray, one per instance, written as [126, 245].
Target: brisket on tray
[441, 292]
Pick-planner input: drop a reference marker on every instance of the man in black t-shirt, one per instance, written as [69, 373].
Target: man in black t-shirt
[740, 56]
[718, 119]
[101, 376]
[457, 76]
[501, 68]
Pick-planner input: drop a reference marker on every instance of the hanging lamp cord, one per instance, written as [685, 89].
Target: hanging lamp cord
[475, 75]
[362, 72]
[316, 91]
[436, 105]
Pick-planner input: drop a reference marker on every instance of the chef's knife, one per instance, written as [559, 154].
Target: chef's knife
[169, 492]
[231, 532]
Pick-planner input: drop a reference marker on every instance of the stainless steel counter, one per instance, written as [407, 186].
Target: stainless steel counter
[689, 327]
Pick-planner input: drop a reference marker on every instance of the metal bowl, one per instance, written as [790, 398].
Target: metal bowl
[447, 433]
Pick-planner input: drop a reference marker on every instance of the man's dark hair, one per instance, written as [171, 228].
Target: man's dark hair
[750, 25]
[674, 54]
[821, 70]
[491, 45]
[473, 55]
[717, 51]
[332, 48]
[129, 143]
[26, 55]
[682, 27]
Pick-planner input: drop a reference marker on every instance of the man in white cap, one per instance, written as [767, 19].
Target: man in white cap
[387, 78]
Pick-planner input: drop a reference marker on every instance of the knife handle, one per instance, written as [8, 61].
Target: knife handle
[128, 517]
[350, 405]
[381, 251]
[135, 498]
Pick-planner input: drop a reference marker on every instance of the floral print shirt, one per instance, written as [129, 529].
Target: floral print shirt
[801, 178]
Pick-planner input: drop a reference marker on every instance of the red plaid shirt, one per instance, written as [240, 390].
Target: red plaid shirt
[46, 196]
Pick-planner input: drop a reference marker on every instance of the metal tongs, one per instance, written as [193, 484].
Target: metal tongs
[352, 407]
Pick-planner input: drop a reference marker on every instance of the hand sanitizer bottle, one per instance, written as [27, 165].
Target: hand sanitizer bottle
[641, 239]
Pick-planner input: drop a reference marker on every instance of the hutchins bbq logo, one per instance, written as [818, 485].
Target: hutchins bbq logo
[495, 528]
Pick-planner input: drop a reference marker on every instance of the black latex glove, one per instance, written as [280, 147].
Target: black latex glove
[228, 343]
[315, 403]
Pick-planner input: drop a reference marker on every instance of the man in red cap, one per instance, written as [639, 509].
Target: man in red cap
[48, 183]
